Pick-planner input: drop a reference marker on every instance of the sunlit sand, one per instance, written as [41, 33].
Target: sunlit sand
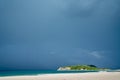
[70, 76]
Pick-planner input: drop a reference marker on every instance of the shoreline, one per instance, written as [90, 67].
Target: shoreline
[12, 73]
[67, 76]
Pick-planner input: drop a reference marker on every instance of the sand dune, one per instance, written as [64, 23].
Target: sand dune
[71, 76]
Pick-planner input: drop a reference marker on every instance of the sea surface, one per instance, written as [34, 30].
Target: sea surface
[36, 72]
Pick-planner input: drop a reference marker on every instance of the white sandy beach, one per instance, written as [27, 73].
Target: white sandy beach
[72, 76]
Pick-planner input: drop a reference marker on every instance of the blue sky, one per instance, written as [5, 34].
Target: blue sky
[46, 34]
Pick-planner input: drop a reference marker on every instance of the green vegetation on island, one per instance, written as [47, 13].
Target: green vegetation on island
[82, 67]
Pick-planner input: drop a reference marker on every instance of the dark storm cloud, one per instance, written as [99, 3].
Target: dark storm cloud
[46, 34]
[82, 8]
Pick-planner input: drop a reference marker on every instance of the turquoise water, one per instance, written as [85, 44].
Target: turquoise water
[36, 72]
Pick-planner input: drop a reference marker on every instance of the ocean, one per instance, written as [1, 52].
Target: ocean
[36, 72]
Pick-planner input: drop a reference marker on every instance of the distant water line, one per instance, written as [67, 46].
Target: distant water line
[37, 72]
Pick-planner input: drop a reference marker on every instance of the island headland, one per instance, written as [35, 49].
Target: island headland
[82, 67]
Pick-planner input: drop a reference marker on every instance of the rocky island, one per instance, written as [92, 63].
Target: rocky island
[81, 67]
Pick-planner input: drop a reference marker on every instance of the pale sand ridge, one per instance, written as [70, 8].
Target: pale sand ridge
[71, 76]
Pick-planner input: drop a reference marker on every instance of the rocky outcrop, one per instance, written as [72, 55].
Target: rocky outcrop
[64, 68]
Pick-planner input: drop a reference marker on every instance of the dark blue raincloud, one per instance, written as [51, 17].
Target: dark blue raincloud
[47, 34]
